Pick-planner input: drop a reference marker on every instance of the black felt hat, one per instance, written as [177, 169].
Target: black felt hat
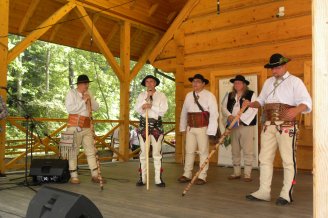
[152, 77]
[199, 76]
[276, 60]
[240, 78]
[83, 79]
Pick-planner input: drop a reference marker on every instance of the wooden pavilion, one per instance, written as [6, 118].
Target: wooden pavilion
[186, 37]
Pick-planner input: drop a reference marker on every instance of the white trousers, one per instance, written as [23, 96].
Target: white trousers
[285, 140]
[84, 138]
[242, 138]
[196, 138]
[157, 156]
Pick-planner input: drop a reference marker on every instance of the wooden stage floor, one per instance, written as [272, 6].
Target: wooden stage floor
[121, 198]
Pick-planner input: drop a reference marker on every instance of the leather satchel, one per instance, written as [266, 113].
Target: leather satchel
[213, 139]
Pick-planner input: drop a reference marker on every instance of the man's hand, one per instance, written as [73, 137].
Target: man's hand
[291, 113]
[246, 103]
[146, 106]
[253, 104]
[230, 118]
[86, 97]
[213, 140]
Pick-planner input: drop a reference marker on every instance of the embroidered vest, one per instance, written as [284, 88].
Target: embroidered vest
[232, 101]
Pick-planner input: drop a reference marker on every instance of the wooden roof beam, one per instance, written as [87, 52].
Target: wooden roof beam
[136, 35]
[153, 9]
[116, 16]
[171, 16]
[28, 15]
[133, 5]
[112, 33]
[174, 26]
[54, 32]
[40, 30]
[87, 22]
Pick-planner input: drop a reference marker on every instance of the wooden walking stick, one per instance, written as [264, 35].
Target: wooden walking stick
[147, 149]
[221, 140]
[101, 184]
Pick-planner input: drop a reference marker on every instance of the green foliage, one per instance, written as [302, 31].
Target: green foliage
[32, 95]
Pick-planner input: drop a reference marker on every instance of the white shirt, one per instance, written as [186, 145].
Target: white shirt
[159, 105]
[134, 137]
[291, 90]
[208, 101]
[246, 117]
[76, 105]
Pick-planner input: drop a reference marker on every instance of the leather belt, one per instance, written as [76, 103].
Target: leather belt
[76, 120]
[276, 112]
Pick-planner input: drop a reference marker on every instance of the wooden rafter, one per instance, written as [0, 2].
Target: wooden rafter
[170, 32]
[122, 11]
[136, 35]
[54, 32]
[112, 33]
[99, 41]
[171, 16]
[28, 15]
[153, 9]
[40, 30]
[122, 17]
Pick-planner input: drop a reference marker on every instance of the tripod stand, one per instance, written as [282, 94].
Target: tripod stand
[29, 126]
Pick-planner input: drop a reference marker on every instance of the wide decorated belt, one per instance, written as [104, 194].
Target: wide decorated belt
[276, 112]
[198, 119]
[155, 127]
[76, 120]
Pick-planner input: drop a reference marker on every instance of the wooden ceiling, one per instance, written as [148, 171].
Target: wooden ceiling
[148, 18]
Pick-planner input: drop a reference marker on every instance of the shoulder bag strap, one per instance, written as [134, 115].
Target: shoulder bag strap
[196, 101]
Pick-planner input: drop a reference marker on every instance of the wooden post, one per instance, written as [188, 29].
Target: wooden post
[320, 118]
[179, 96]
[4, 20]
[124, 88]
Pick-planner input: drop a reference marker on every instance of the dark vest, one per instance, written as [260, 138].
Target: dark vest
[232, 101]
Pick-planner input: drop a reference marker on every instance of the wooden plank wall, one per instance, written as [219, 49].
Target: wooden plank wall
[244, 35]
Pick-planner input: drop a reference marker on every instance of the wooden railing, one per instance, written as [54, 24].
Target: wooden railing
[45, 142]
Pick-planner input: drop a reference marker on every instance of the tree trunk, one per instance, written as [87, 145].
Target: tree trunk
[47, 68]
[70, 73]
[19, 81]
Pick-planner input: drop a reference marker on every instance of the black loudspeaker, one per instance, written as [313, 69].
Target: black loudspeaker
[55, 203]
[49, 170]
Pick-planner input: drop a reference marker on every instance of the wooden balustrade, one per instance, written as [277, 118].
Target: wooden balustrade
[44, 143]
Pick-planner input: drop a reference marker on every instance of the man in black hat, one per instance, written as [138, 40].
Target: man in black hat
[283, 96]
[242, 136]
[198, 119]
[79, 125]
[154, 104]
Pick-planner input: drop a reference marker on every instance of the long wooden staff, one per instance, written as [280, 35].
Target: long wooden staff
[221, 140]
[147, 149]
[101, 184]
